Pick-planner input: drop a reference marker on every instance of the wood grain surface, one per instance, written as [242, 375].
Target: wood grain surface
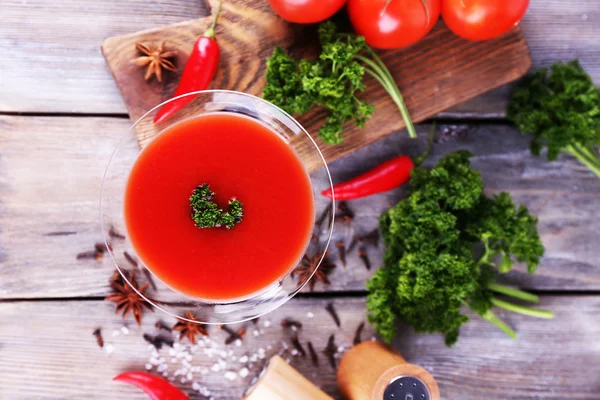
[52, 61]
[39, 240]
[47, 351]
[445, 70]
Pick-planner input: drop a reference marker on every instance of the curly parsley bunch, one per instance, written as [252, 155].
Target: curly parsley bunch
[331, 81]
[560, 106]
[445, 245]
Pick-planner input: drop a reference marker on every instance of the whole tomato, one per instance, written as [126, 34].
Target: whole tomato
[392, 24]
[482, 19]
[306, 11]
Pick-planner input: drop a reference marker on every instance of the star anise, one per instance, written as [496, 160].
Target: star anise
[308, 265]
[127, 299]
[154, 58]
[190, 329]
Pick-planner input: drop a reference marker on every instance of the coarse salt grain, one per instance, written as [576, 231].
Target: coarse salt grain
[233, 358]
[340, 349]
[215, 368]
[125, 330]
[109, 348]
[267, 324]
[294, 352]
[244, 359]
[195, 386]
[173, 360]
[148, 366]
[183, 380]
[255, 333]
[165, 374]
[230, 375]
[244, 372]
[238, 342]
[310, 315]
[115, 333]
[189, 376]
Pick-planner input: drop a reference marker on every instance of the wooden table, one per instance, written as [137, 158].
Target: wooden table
[61, 116]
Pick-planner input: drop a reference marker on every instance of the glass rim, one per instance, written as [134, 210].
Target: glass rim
[289, 295]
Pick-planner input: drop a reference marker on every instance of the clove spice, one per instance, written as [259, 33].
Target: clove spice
[358, 333]
[144, 270]
[114, 234]
[313, 354]
[291, 323]
[298, 345]
[99, 338]
[341, 251]
[160, 325]
[332, 311]
[158, 341]
[370, 238]
[362, 253]
[344, 213]
[233, 335]
[330, 351]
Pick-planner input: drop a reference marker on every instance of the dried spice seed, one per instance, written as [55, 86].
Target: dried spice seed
[113, 234]
[341, 251]
[313, 354]
[99, 338]
[331, 310]
[288, 323]
[362, 253]
[358, 333]
[298, 345]
[330, 351]
[189, 328]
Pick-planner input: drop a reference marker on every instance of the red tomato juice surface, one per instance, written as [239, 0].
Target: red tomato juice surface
[238, 157]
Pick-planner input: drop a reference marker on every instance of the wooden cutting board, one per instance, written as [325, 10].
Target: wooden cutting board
[435, 74]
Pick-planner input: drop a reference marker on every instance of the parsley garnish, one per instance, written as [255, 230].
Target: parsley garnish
[445, 245]
[206, 213]
[331, 82]
[561, 108]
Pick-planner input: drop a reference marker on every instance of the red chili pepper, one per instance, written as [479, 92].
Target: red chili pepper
[384, 177]
[155, 387]
[198, 72]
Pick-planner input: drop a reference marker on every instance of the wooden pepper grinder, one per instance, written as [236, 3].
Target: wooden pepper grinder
[280, 381]
[372, 371]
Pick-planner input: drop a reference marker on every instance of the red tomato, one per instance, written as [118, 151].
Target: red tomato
[306, 11]
[392, 24]
[482, 19]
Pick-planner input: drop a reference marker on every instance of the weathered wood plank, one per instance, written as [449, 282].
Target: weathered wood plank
[52, 59]
[47, 351]
[54, 187]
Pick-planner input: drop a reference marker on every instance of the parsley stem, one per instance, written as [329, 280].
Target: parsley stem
[592, 164]
[512, 292]
[530, 312]
[491, 317]
[386, 80]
